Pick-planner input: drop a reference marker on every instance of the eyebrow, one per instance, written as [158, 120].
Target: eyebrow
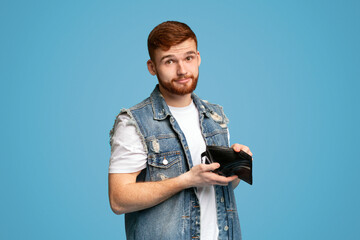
[171, 55]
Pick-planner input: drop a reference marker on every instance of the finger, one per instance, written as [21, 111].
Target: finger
[209, 167]
[221, 180]
[236, 147]
[239, 147]
[246, 149]
[249, 152]
[232, 178]
[222, 183]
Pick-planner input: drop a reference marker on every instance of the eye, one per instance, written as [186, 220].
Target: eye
[170, 61]
[189, 58]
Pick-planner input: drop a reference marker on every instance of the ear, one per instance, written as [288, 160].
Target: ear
[199, 58]
[151, 67]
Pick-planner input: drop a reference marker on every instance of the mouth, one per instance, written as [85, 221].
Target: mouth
[183, 80]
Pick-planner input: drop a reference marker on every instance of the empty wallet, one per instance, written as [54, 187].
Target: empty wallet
[231, 162]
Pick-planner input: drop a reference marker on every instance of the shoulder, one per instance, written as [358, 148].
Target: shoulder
[126, 120]
[144, 103]
[122, 120]
[125, 116]
[216, 111]
[213, 106]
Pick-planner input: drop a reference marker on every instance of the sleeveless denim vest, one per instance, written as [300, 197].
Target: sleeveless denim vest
[169, 156]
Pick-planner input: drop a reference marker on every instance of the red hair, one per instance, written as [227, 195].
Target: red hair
[167, 34]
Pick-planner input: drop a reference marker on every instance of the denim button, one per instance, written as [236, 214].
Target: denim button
[226, 228]
[165, 162]
[222, 199]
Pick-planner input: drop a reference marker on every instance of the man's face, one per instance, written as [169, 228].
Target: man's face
[177, 69]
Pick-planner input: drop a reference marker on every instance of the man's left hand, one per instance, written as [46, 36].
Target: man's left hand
[237, 148]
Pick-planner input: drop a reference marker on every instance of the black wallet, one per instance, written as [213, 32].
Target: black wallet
[231, 162]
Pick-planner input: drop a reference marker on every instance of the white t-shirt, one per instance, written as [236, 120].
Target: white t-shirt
[128, 155]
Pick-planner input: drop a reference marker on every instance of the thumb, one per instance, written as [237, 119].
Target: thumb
[212, 166]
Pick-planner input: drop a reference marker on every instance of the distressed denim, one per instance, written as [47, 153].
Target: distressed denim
[169, 156]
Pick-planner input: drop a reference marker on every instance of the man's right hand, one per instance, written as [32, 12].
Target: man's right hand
[201, 175]
[127, 195]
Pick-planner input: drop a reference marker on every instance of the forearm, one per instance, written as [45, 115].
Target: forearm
[135, 196]
[127, 195]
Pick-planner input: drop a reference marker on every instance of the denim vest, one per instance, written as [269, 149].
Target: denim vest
[169, 156]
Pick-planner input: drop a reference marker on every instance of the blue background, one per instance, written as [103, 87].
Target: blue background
[286, 72]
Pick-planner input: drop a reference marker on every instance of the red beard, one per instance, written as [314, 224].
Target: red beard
[178, 89]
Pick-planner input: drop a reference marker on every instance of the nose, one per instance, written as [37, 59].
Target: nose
[181, 71]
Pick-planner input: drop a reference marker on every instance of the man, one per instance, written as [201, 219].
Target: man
[156, 176]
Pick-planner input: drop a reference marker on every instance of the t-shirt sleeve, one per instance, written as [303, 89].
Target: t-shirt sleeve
[127, 151]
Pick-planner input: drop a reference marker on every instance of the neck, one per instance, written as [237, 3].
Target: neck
[174, 100]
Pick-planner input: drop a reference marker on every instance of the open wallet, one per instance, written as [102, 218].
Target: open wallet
[231, 162]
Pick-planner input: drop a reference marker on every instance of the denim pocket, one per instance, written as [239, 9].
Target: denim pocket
[164, 165]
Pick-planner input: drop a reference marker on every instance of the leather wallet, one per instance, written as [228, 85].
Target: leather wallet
[231, 162]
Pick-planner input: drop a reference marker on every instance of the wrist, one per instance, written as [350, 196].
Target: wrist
[185, 180]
